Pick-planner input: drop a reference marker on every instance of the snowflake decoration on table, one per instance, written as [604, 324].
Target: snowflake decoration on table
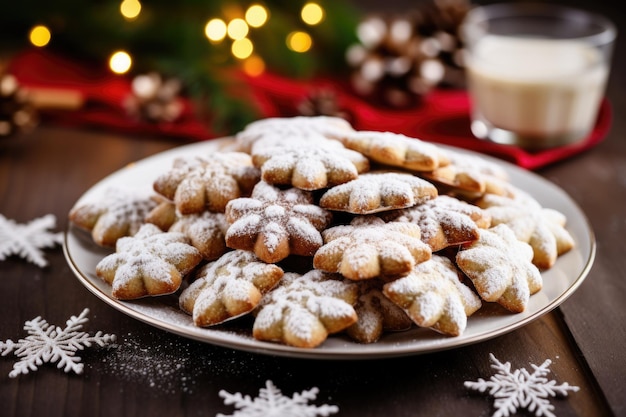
[49, 343]
[521, 389]
[271, 402]
[26, 240]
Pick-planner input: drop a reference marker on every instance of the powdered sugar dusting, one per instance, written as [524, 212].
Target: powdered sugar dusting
[397, 150]
[303, 304]
[151, 256]
[307, 165]
[288, 219]
[369, 247]
[228, 287]
[430, 298]
[500, 266]
[378, 191]
[443, 217]
[280, 130]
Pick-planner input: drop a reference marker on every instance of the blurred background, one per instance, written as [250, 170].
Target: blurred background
[201, 69]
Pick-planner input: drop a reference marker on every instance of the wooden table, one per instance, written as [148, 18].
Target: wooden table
[154, 373]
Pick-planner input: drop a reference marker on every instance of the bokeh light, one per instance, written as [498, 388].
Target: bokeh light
[312, 13]
[254, 66]
[120, 62]
[215, 30]
[237, 29]
[130, 9]
[242, 48]
[39, 35]
[256, 15]
[299, 41]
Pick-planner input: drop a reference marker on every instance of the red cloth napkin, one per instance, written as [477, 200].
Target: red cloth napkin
[441, 117]
[103, 93]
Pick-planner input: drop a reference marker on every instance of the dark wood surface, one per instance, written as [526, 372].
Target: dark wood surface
[154, 373]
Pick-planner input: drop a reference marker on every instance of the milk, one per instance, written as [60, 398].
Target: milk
[538, 89]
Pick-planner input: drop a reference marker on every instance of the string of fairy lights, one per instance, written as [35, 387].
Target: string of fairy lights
[217, 30]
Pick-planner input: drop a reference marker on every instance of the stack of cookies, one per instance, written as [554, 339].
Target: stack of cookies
[313, 228]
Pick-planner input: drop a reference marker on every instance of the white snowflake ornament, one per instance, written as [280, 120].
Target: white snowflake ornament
[26, 240]
[272, 403]
[49, 344]
[521, 389]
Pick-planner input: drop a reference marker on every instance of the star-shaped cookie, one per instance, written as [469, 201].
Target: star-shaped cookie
[542, 228]
[275, 223]
[501, 269]
[208, 182]
[378, 191]
[433, 296]
[228, 288]
[309, 165]
[444, 221]
[150, 263]
[370, 248]
[304, 309]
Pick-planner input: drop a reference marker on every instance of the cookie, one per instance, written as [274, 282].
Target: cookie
[471, 175]
[228, 288]
[309, 165]
[206, 231]
[444, 221]
[196, 184]
[396, 150]
[163, 215]
[433, 296]
[275, 223]
[500, 268]
[119, 212]
[542, 228]
[378, 191]
[150, 263]
[285, 129]
[302, 310]
[370, 248]
[376, 314]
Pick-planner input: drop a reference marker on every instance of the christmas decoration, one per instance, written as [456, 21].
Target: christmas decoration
[400, 58]
[521, 389]
[196, 43]
[271, 402]
[49, 344]
[154, 99]
[17, 114]
[26, 240]
[439, 22]
[322, 102]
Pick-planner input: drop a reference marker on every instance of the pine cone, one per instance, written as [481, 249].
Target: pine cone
[440, 21]
[154, 99]
[16, 112]
[401, 58]
[322, 102]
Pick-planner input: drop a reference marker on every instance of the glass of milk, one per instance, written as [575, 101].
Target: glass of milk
[536, 72]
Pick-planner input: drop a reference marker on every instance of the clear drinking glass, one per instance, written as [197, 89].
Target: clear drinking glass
[536, 72]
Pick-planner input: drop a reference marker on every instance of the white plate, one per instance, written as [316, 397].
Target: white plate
[559, 282]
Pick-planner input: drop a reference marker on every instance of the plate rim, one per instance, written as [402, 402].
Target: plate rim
[244, 343]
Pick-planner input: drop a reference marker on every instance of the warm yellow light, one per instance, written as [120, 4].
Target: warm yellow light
[254, 66]
[215, 30]
[39, 35]
[242, 48]
[130, 9]
[256, 15]
[120, 62]
[312, 13]
[299, 41]
[237, 29]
